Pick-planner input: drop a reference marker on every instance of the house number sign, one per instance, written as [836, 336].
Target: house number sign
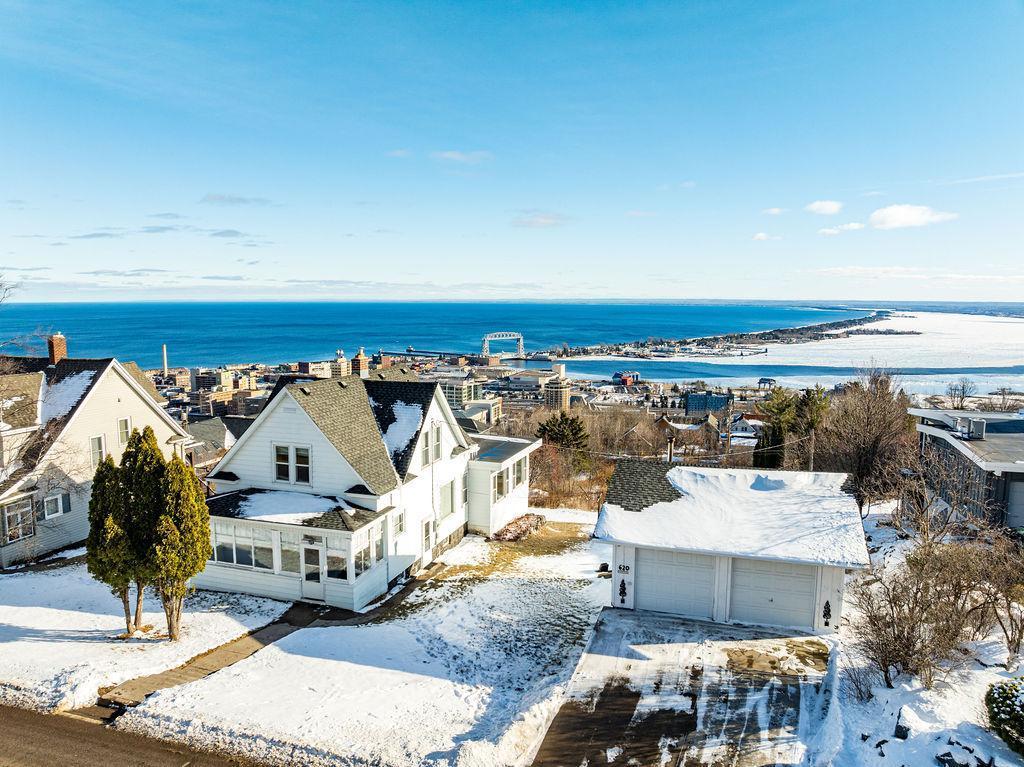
[623, 568]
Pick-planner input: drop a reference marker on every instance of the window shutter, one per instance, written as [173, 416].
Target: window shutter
[65, 503]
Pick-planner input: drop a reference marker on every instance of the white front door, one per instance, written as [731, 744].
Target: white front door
[773, 593]
[313, 566]
[674, 582]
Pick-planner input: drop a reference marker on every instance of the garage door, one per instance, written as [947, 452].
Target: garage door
[669, 582]
[772, 593]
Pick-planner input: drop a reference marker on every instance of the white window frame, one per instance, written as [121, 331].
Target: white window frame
[292, 464]
[127, 432]
[447, 500]
[5, 510]
[465, 487]
[398, 523]
[103, 449]
[59, 498]
[435, 440]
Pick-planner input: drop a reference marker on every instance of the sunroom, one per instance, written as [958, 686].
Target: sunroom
[291, 546]
[499, 477]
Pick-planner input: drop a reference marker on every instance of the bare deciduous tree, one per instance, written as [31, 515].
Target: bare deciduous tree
[959, 391]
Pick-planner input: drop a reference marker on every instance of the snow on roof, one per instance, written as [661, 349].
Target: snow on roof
[285, 506]
[777, 515]
[57, 400]
[408, 419]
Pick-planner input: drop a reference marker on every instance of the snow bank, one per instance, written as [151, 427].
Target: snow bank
[285, 506]
[408, 419]
[468, 674]
[571, 516]
[58, 632]
[56, 401]
[795, 516]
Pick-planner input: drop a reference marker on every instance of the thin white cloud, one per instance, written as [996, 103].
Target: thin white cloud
[399, 153]
[217, 198]
[641, 213]
[915, 273]
[904, 216]
[824, 207]
[981, 179]
[832, 231]
[872, 193]
[765, 237]
[677, 185]
[774, 211]
[535, 218]
[474, 157]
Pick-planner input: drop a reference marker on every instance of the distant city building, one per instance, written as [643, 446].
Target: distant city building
[321, 369]
[459, 391]
[529, 380]
[558, 390]
[360, 364]
[382, 361]
[200, 378]
[340, 367]
[626, 377]
[702, 403]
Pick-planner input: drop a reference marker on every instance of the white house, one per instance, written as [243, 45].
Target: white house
[59, 417]
[732, 545]
[341, 486]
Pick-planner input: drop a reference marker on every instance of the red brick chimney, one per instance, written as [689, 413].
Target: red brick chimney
[57, 344]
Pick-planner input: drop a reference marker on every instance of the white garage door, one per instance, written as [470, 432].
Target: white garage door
[772, 593]
[670, 582]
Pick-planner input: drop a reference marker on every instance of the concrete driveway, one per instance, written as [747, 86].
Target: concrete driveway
[653, 690]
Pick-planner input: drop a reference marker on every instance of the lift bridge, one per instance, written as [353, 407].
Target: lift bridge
[485, 347]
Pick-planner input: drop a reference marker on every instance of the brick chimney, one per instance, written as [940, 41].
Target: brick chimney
[57, 345]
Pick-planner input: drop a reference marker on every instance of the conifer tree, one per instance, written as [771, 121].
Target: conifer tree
[567, 432]
[108, 551]
[183, 540]
[142, 475]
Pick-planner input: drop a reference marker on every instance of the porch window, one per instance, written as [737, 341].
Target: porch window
[224, 543]
[262, 549]
[289, 552]
[377, 539]
[243, 546]
[499, 485]
[519, 472]
[19, 522]
[337, 566]
[282, 468]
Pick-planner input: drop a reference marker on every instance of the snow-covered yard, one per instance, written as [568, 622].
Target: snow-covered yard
[59, 629]
[946, 718]
[467, 669]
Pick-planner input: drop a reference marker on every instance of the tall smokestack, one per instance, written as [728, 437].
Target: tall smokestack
[165, 361]
[57, 346]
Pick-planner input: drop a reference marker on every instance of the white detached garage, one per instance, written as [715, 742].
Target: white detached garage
[732, 545]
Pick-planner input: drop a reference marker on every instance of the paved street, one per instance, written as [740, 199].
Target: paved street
[30, 739]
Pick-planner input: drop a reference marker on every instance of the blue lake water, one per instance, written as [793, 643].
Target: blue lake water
[211, 333]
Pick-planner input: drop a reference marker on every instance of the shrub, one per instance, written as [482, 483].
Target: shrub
[1005, 703]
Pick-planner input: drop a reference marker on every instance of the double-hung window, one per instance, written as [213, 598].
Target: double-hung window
[377, 538]
[97, 449]
[282, 463]
[399, 523]
[124, 430]
[425, 448]
[301, 465]
[19, 522]
[435, 439]
[291, 464]
[499, 485]
[465, 488]
[448, 499]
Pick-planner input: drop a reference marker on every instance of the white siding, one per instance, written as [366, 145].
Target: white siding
[287, 424]
[69, 468]
[216, 577]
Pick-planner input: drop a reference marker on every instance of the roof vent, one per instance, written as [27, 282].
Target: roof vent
[342, 384]
[304, 390]
[380, 376]
[406, 370]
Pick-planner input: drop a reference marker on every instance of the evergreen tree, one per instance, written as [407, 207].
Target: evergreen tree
[108, 551]
[780, 408]
[142, 474]
[567, 432]
[183, 540]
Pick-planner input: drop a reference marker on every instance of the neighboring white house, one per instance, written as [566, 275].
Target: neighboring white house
[732, 545]
[341, 486]
[58, 418]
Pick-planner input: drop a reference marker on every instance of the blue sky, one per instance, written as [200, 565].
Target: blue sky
[820, 150]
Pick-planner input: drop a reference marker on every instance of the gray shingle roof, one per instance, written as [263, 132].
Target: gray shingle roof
[384, 395]
[638, 483]
[340, 408]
